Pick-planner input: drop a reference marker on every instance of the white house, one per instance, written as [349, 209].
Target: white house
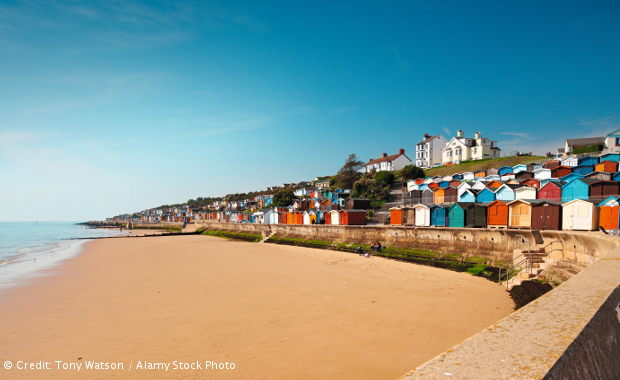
[428, 151]
[387, 163]
[612, 142]
[461, 148]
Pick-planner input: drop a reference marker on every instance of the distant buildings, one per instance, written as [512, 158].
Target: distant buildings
[462, 148]
[387, 163]
[609, 143]
[428, 151]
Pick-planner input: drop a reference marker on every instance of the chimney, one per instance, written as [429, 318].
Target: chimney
[426, 136]
[459, 134]
[384, 155]
[401, 151]
[477, 135]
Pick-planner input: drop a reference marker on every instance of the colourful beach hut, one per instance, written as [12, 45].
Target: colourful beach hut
[447, 177]
[438, 195]
[580, 215]
[570, 161]
[476, 215]
[439, 215]
[589, 160]
[525, 192]
[614, 157]
[547, 215]
[600, 175]
[533, 167]
[457, 176]
[524, 175]
[542, 173]
[519, 168]
[583, 169]
[571, 176]
[616, 176]
[604, 189]
[469, 196]
[492, 171]
[551, 191]
[422, 215]
[551, 164]
[608, 213]
[505, 170]
[531, 182]
[457, 214]
[444, 184]
[486, 196]
[606, 166]
[335, 218]
[352, 217]
[396, 216]
[480, 174]
[561, 171]
[520, 213]
[427, 196]
[451, 194]
[497, 215]
[577, 189]
[433, 185]
[328, 217]
[468, 176]
[505, 193]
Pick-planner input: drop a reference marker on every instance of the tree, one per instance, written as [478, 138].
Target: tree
[385, 178]
[333, 181]
[411, 172]
[283, 197]
[349, 173]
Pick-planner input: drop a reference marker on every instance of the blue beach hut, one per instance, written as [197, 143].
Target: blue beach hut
[439, 216]
[469, 195]
[570, 177]
[423, 186]
[589, 160]
[578, 188]
[506, 193]
[505, 170]
[616, 176]
[458, 176]
[444, 184]
[492, 177]
[457, 214]
[486, 196]
[519, 168]
[583, 169]
[615, 157]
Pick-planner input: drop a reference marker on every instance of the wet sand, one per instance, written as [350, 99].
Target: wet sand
[274, 311]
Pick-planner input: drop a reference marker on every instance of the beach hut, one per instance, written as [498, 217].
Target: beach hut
[468, 176]
[506, 193]
[320, 217]
[433, 185]
[328, 217]
[408, 216]
[462, 187]
[578, 188]
[457, 176]
[492, 171]
[455, 183]
[547, 215]
[352, 217]
[580, 215]
[486, 196]
[290, 218]
[533, 167]
[476, 215]
[551, 164]
[451, 194]
[282, 217]
[600, 175]
[313, 218]
[480, 185]
[422, 215]
[427, 196]
[608, 213]
[505, 170]
[299, 217]
[497, 215]
[604, 189]
[306, 218]
[396, 216]
[444, 184]
[439, 215]
[606, 166]
[507, 177]
[419, 181]
[494, 184]
[519, 168]
[480, 173]
[524, 175]
[570, 161]
[542, 173]
[492, 177]
[525, 192]
[551, 191]
[428, 180]
[457, 214]
[571, 176]
[411, 185]
[614, 157]
[357, 204]
[447, 178]
[615, 177]
[438, 194]
[589, 160]
[335, 218]
[583, 169]
[415, 194]
[423, 187]
[437, 178]
[469, 195]
[270, 216]
[561, 171]
[520, 213]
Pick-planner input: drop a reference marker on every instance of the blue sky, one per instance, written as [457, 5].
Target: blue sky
[116, 106]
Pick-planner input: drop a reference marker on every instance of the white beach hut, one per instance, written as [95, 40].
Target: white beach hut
[468, 176]
[506, 177]
[422, 215]
[479, 185]
[580, 215]
[448, 178]
[335, 218]
[542, 173]
[525, 192]
[570, 161]
[306, 217]
[462, 187]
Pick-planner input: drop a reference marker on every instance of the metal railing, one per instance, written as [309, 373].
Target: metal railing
[527, 258]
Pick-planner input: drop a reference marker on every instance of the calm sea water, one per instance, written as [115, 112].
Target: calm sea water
[26, 248]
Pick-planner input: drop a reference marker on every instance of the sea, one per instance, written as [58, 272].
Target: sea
[27, 249]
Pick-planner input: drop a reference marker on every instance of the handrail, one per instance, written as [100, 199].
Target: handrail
[529, 247]
[525, 260]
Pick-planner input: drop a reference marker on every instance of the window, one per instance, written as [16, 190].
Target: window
[475, 150]
[617, 140]
[484, 141]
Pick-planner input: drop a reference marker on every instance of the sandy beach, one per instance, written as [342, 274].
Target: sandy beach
[274, 311]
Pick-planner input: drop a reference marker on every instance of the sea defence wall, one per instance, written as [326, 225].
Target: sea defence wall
[582, 247]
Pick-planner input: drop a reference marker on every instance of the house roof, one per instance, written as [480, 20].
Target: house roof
[428, 139]
[584, 141]
[384, 159]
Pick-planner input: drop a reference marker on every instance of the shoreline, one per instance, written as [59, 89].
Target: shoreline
[296, 312]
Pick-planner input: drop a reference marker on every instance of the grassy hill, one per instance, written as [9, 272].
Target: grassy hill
[472, 166]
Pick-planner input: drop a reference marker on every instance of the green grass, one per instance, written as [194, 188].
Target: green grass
[589, 149]
[485, 164]
[234, 235]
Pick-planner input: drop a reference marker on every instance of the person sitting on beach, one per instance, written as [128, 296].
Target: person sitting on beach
[372, 245]
[358, 250]
[378, 247]
[366, 255]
